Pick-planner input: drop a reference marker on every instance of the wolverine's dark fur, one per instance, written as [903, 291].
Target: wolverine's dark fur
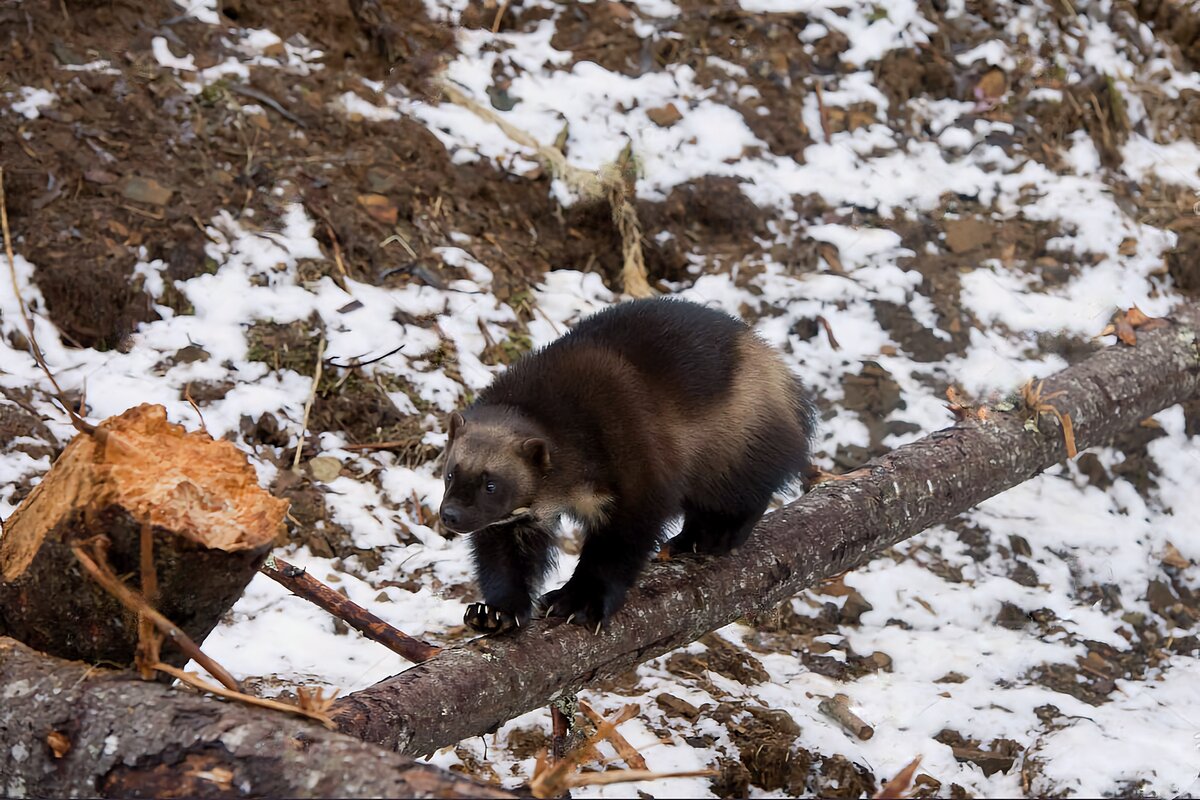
[646, 411]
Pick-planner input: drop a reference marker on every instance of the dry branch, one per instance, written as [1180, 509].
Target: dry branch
[210, 521]
[607, 182]
[304, 585]
[67, 729]
[835, 527]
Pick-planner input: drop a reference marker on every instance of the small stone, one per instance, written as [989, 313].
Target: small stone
[190, 354]
[100, 177]
[965, 235]
[146, 190]
[674, 706]
[1020, 545]
[325, 468]
[856, 605]
[664, 116]
[1012, 617]
[1161, 599]
[952, 677]
[881, 661]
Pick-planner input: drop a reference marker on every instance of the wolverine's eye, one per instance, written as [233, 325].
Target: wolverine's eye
[449, 476]
[490, 487]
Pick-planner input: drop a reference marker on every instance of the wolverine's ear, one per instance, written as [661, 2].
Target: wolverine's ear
[456, 422]
[538, 452]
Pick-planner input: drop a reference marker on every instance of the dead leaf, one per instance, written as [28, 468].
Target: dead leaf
[1128, 246]
[59, 743]
[992, 85]
[1124, 325]
[967, 234]
[379, 208]
[664, 116]
[829, 253]
[146, 190]
[898, 786]
[1173, 558]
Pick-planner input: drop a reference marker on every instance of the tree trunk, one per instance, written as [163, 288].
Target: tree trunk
[835, 527]
[210, 526]
[68, 729]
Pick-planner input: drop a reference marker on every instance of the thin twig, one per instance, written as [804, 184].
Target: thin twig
[79, 423]
[308, 404]
[499, 16]
[826, 128]
[303, 585]
[377, 445]
[99, 570]
[607, 182]
[337, 256]
[187, 395]
[149, 639]
[354, 363]
[248, 699]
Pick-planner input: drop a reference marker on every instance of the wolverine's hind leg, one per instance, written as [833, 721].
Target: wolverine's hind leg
[715, 532]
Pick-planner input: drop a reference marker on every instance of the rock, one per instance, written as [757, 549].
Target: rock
[855, 606]
[998, 758]
[952, 677]
[664, 116]
[190, 354]
[967, 234]
[146, 190]
[1161, 599]
[324, 468]
[674, 706]
[99, 176]
[1012, 617]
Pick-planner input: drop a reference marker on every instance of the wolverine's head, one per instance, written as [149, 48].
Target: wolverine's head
[495, 463]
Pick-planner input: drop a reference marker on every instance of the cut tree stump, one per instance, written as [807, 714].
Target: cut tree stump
[211, 526]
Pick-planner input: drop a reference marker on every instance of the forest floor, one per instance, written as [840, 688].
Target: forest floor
[902, 197]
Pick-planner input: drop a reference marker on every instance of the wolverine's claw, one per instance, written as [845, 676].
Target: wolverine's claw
[570, 618]
[598, 624]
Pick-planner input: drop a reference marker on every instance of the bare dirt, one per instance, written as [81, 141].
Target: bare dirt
[131, 166]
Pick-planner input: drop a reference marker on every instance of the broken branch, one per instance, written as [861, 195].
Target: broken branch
[301, 584]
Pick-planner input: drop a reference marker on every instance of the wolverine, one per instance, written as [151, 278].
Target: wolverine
[645, 412]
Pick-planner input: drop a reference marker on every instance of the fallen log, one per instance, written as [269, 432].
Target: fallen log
[837, 526]
[69, 729]
[211, 524]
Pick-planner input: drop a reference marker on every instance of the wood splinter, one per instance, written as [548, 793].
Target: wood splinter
[837, 708]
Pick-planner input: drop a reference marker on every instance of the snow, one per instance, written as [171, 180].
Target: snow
[32, 101]
[1078, 535]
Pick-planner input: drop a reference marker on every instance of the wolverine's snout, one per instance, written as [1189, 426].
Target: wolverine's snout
[452, 517]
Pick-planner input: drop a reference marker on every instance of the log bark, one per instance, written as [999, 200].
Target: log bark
[835, 527]
[211, 525]
[68, 729]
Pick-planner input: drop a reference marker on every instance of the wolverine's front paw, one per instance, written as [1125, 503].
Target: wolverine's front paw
[590, 607]
[482, 618]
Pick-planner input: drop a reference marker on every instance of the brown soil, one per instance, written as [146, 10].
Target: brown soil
[132, 160]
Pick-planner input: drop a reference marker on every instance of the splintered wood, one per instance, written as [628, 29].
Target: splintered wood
[210, 520]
